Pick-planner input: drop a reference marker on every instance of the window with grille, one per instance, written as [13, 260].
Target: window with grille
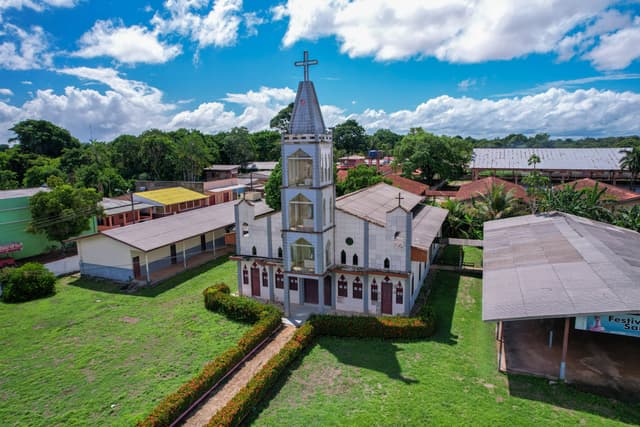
[245, 275]
[357, 288]
[374, 290]
[279, 279]
[399, 293]
[265, 277]
[343, 287]
[293, 283]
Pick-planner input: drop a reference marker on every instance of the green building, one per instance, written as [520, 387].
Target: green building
[14, 220]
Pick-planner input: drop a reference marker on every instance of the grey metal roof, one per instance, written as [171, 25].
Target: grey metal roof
[373, 203]
[222, 167]
[306, 117]
[558, 265]
[550, 158]
[150, 235]
[117, 206]
[21, 192]
[262, 166]
[426, 225]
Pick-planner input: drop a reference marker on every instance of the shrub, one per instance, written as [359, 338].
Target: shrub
[26, 283]
[373, 327]
[217, 298]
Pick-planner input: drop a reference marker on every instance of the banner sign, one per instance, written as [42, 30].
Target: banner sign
[621, 324]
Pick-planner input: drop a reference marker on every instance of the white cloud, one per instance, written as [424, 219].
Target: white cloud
[37, 5]
[460, 31]
[129, 45]
[26, 82]
[571, 83]
[616, 51]
[218, 27]
[251, 21]
[6, 92]
[24, 50]
[466, 84]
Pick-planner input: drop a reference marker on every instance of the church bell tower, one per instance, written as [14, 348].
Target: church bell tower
[308, 200]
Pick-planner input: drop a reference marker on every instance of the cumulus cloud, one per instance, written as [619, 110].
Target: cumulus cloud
[22, 49]
[617, 50]
[462, 31]
[135, 44]
[6, 92]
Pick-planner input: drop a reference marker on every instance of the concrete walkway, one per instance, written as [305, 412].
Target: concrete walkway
[220, 398]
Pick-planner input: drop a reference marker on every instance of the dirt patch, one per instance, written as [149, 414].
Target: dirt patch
[128, 319]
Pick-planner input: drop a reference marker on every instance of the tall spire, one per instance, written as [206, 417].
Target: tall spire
[306, 117]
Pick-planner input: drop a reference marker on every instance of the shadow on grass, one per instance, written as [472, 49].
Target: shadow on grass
[443, 300]
[106, 286]
[569, 397]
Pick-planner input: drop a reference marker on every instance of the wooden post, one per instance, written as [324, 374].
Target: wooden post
[565, 343]
[184, 256]
[500, 333]
[146, 266]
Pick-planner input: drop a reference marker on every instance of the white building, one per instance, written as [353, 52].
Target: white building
[366, 252]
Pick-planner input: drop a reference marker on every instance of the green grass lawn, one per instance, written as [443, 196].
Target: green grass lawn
[450, 255]
[91, 355]
[449, 380]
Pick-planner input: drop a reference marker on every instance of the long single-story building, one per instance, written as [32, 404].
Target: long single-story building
[556, 275]
[155, 250]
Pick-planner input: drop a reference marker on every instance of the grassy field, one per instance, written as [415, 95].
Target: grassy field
[91, 355]
[449, 380]
[450, 255]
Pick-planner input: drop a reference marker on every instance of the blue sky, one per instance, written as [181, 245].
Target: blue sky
[482, 68]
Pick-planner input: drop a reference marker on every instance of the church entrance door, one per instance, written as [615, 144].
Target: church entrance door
[327, 291]
[387, 297]
[310, 291]
[255, 282]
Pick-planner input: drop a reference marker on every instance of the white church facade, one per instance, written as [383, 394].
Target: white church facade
[366, 252]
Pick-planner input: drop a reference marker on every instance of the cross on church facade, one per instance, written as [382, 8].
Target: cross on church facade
[306, 62]
[400, 198]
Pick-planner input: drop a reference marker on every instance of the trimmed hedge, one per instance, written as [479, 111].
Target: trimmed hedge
[249, 396]
[217, 298]
[28, 282]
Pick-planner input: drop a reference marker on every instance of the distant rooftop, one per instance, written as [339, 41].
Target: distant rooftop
[477, 188]
[611, 191]
[262, 166]
[117, 206]
[550, 158]
[222, 168]
[170, 196]
[558, 265]
[373, 203]
[21, 192]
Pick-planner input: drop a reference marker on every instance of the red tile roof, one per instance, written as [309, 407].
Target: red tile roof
[406, 184]
[612, 191]
[473, 189]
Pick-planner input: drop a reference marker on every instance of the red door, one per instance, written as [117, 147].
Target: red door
[255, 282]
[387, 295]
[310, 291]
[327, 290]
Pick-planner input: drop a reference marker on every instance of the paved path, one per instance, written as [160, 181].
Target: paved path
[220, 398]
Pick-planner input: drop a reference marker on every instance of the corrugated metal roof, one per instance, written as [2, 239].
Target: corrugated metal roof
[550, 158]
[222, 167]
[170, 196]
[150, 235]
[558, 265]
[426, 225]
[21, 192]
[117, 206]
[373, 203]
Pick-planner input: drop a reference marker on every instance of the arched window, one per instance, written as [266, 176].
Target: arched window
[302, 255]
[396, 235]
[300, 213]
[245, 229]
[343, 257]
[355, 259]
[374, 290]
[279, 252]
[279, 279]
[343, 287]
[293, 283]
[357, 288]
[386, 263]
[327, 254]
[245, 275]
[265, 277]
[254, 251]
[399, 293]
[300, 169]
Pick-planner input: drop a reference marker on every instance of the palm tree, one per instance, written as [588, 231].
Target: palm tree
[497, 203]
[631, 162]
[461, 222]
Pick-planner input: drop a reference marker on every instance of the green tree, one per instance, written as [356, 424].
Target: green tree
[362, 176]
[462, 220]
[127, 154]
[350, 137]
[281, 120]
[157, 154]
[8, 180]
[63, 212]
[631, 163]
[266, 145]
[42, 137]
[628, 218]
[236, 148]
[497, 203]
[272, 187]
[38, 175]
[191, 154]
[536, 183]
[384, 139]
[106, 180]
[587, 202]
[432, 155]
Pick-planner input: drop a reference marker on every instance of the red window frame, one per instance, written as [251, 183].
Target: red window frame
[293, 283]
[343, 287]
[279, 279]
[245, 275]
[399, 293]
[265, 277]
[357, 288]
[374, 290]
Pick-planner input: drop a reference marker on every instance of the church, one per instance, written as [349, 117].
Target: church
[366, 252]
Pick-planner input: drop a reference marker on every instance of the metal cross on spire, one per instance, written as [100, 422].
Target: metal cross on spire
[306, 62]
[400, 198]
